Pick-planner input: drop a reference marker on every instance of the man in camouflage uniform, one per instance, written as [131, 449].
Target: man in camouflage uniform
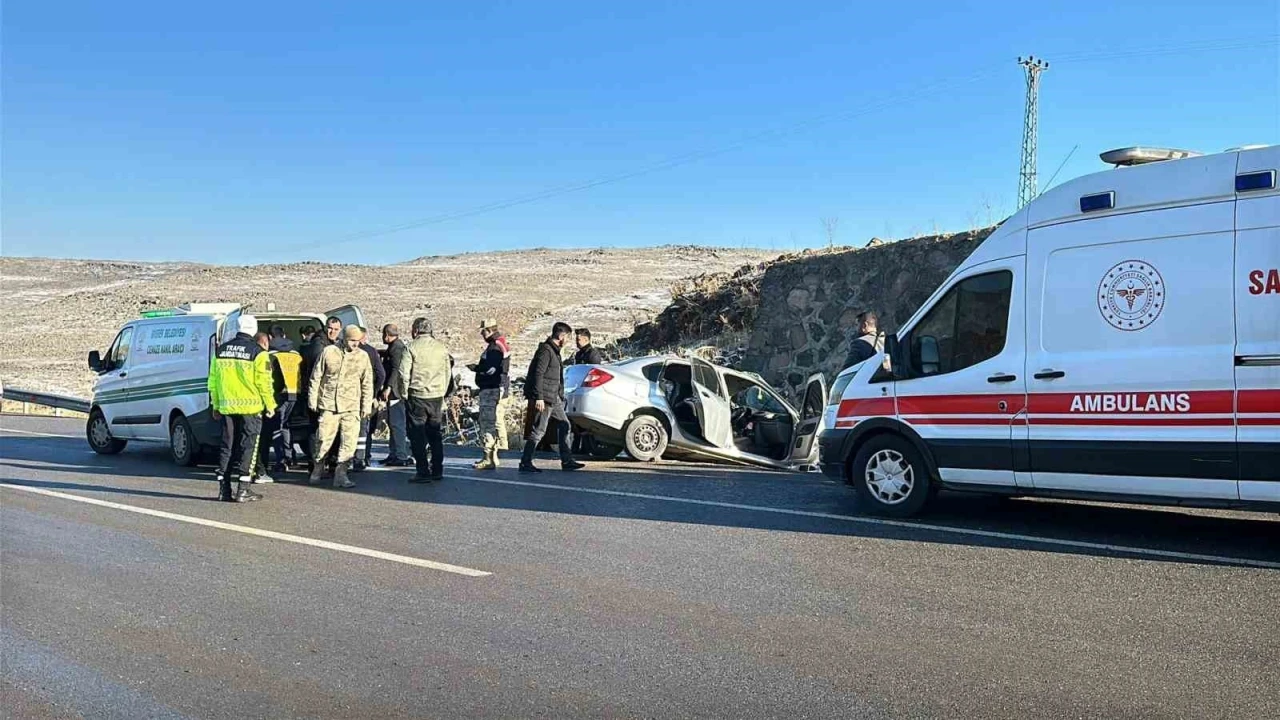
[493, 378]
[341, 392]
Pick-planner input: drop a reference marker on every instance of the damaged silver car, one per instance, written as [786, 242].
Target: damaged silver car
[665, 406]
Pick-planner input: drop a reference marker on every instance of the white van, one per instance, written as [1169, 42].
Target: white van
[1116, 339]
[152, 382]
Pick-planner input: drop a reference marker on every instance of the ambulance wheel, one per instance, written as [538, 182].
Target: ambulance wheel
[645, 438]
[98, 433]
[183, 443]
[889, 478]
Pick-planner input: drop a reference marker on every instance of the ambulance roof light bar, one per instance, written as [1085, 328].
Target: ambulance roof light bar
[1138, 155]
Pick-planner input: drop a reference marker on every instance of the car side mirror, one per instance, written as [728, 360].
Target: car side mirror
[95, 361]
[928, 360]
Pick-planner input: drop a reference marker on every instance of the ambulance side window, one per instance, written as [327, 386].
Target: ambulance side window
[967, 326]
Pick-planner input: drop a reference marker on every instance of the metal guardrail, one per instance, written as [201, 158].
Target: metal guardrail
[53, 400]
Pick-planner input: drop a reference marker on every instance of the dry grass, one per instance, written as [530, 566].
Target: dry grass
[59, 310]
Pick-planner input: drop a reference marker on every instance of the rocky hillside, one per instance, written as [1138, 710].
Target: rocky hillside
[58, 310]
[798, 311]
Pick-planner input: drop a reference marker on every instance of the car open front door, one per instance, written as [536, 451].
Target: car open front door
[809, 420]
[348, 314]
[711, 403]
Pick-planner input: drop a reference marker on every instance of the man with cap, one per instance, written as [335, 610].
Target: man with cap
[341, 394]
[241, 392]
[426, 369]
[493, 374]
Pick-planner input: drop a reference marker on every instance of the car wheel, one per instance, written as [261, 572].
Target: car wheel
[182, 442]
[98, 433]
[890, 478]
[645, 438]
[602, 450]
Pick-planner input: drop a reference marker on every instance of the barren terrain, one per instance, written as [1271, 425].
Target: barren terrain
[58, 310]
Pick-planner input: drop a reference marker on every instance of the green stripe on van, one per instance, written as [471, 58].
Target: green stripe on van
[146, 392]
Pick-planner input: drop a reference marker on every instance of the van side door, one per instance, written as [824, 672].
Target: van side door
[1129, 353]
[111, 392]
[960, 385]
[1257, 299]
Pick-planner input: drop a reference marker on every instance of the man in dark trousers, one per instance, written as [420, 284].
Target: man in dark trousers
[397, 421]
[364, 448]
[241, 392]
[425, 373]
[544, 388]
[311, 353]
[587, 354]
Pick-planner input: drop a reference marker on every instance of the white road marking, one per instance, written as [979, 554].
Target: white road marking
[992, 534]
[32, 432]
[340, 547]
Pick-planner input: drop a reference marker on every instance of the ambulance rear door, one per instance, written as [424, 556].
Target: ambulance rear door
[1257, 301]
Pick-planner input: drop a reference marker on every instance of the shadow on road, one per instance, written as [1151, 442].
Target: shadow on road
[708, 496]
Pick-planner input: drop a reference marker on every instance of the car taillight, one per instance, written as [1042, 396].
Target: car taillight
[595, 378]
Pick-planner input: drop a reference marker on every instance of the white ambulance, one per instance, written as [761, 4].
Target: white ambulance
[1116, 339]
[152, 382]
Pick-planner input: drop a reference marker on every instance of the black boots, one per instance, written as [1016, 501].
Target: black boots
[243, 493]
[340, 479]
[224, 489]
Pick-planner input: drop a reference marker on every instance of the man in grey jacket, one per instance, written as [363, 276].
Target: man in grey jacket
[425, 371]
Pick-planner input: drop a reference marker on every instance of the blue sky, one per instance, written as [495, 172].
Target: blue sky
[274, 131]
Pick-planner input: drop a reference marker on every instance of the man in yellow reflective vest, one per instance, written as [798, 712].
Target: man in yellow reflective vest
[241, 393]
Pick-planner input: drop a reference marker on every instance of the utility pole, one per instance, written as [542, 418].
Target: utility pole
[1030, 129]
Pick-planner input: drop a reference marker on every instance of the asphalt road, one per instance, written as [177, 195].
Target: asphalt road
[627, 590]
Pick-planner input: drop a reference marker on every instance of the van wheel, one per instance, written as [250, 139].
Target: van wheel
[889, 478]
[99, 434]
[645, 438]
[182, 442]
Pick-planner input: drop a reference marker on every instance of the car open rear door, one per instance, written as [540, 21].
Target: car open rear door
[809, 419]
[711, 403]
[348, 314]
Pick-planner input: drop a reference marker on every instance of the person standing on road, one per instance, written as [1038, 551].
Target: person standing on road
[364, 448]
[393, 357]
[869, 342]
[240, 393]
[311, 353]
[341, 394]
[587, 353]
[493, 378]
[260, 476]
[544, 388]
[286, 368]
[425, 371]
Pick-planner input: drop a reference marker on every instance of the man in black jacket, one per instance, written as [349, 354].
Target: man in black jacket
[869, 341]
[364, 443]
[397, 420]
[587, 354]
[544, 388]
[311, 353]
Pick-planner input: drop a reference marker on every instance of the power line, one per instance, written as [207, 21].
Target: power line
[696, 155]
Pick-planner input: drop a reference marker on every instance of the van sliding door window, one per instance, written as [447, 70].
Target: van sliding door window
[967, 326]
